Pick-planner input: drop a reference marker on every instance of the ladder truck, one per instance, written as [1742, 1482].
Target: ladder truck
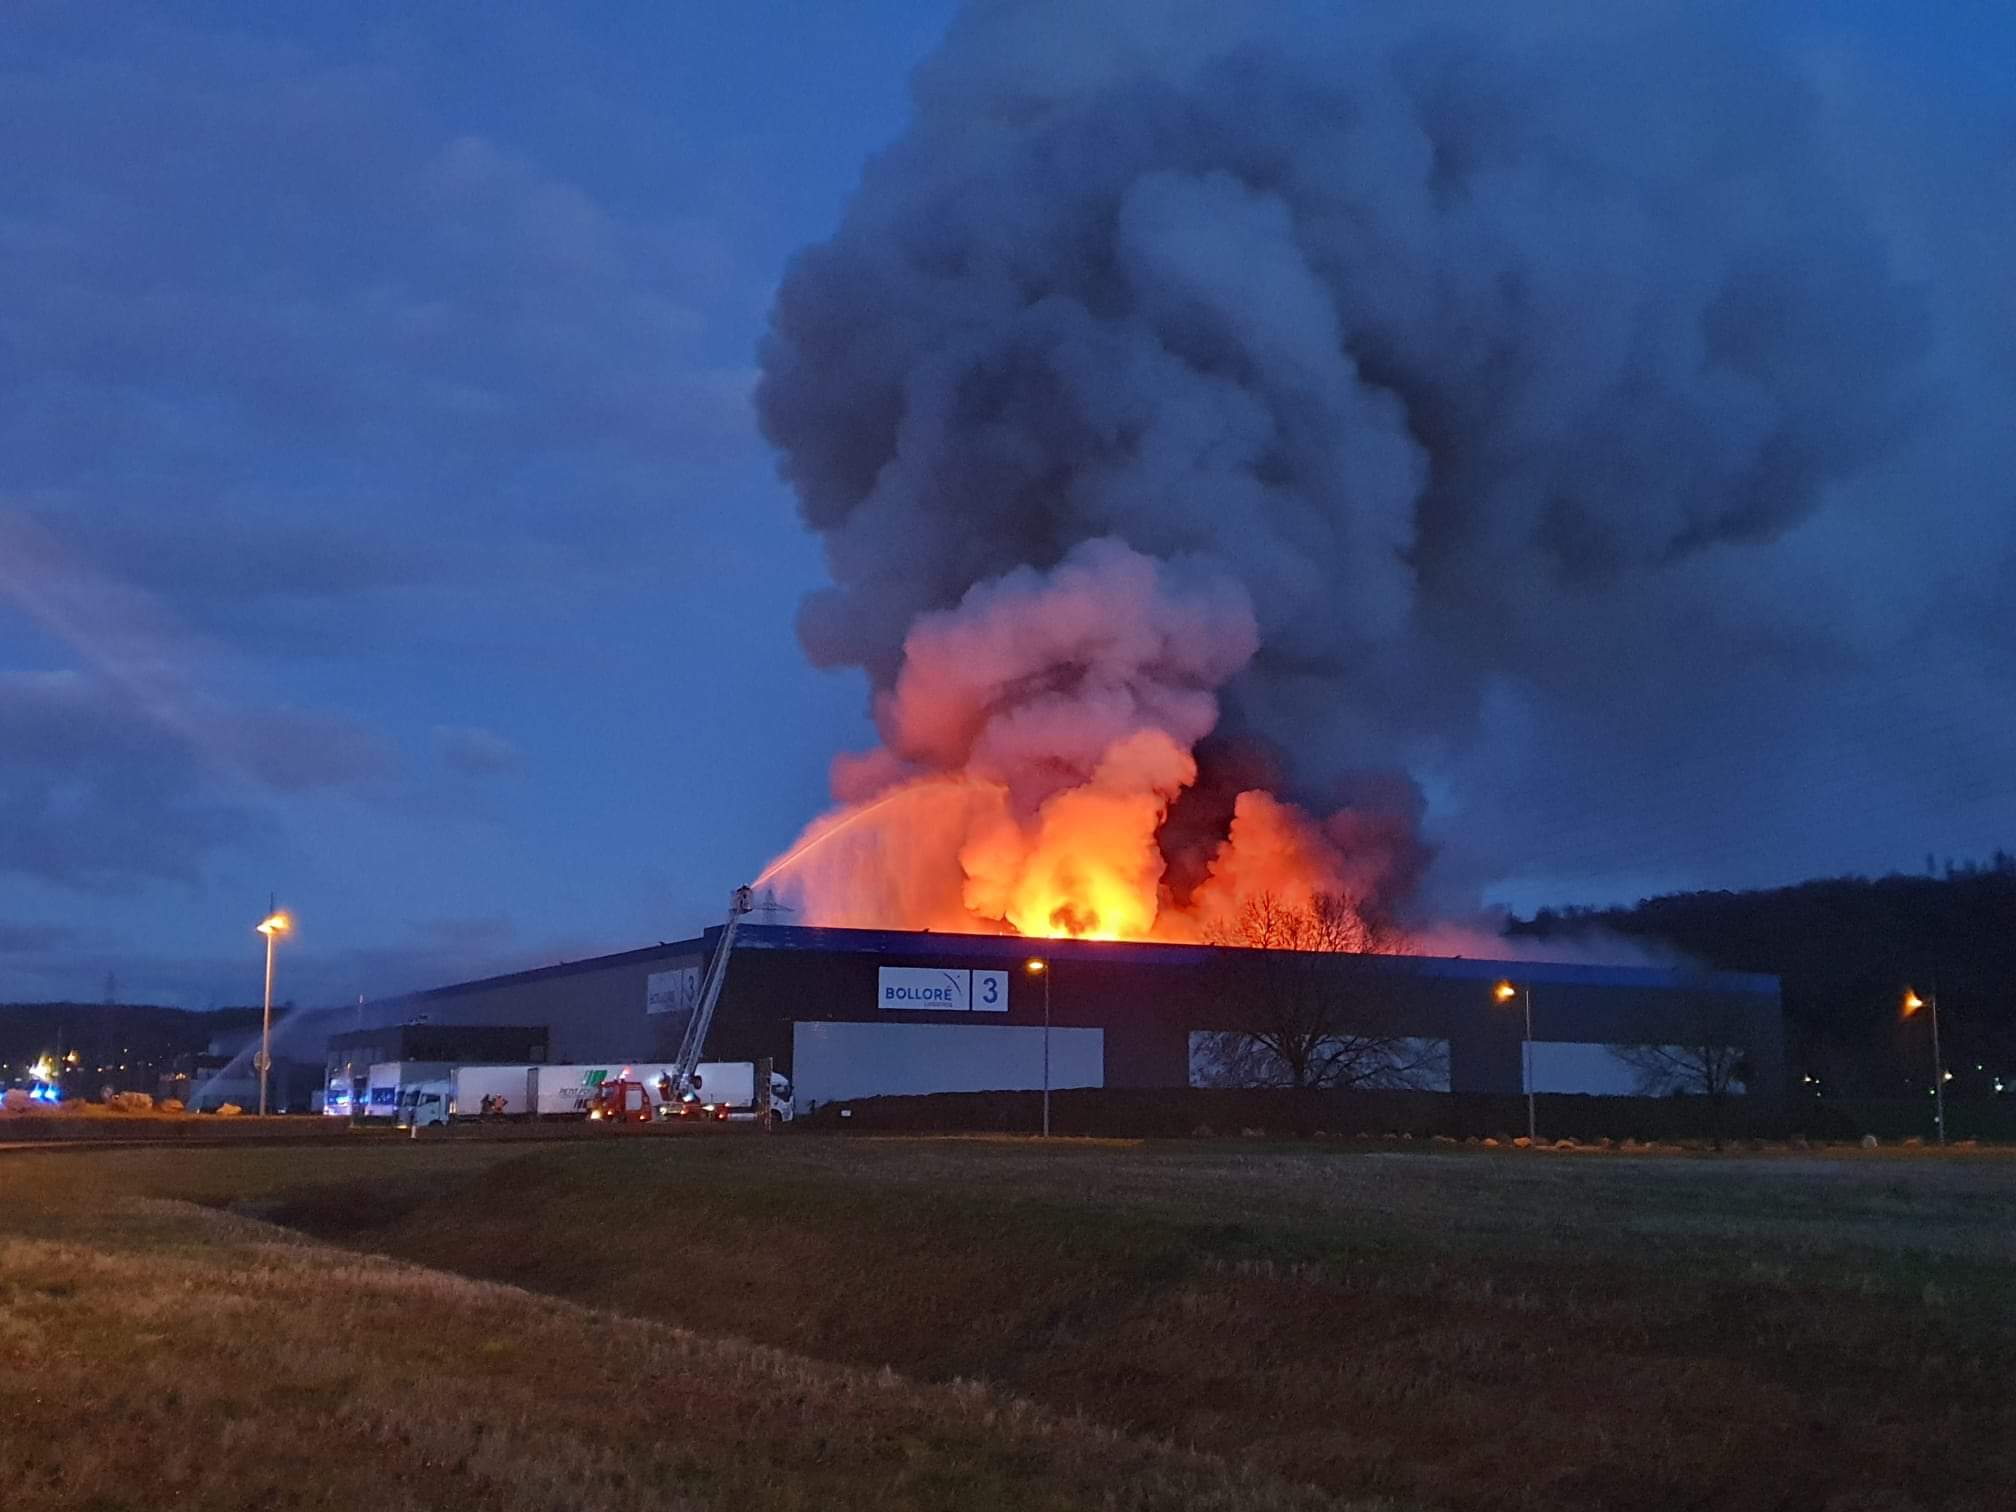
[694, 1040]
[675, 1090]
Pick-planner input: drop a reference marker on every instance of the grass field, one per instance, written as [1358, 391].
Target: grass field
[790, 1322]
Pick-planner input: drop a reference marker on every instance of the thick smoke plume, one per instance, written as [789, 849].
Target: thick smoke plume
[1198, 393]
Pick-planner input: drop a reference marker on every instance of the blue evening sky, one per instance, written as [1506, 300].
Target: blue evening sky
[382, 518]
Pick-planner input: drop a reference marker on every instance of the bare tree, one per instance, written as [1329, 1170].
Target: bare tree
[1293, 1023]
[1707, 1059]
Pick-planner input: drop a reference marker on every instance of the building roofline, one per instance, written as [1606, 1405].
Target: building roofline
[343, 1038]
[1015, 948]
[664, 950]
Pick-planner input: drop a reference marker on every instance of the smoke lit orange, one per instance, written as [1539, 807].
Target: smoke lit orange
[1035, 741]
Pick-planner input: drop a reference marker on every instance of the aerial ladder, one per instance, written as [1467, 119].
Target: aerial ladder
[694, 1040]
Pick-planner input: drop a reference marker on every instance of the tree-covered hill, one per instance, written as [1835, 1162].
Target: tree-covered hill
[1846, 949]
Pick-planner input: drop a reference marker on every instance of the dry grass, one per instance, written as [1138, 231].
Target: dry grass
[95, 1122]
[1469, 1330]
[159, 1354]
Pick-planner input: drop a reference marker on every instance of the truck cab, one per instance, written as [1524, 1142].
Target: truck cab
[424, 1103]
[623, 1101]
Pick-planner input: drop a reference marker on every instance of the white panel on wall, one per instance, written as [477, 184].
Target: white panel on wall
[1592, 1069]
[836, 1061]
[1578, 1068]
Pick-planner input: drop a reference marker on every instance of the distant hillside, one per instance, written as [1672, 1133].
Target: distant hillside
[125, 1045]
[1846, 949]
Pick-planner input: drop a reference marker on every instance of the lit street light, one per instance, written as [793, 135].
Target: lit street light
[274, 925]
[1037, 966]
[1505, 992]
[1912, 1003]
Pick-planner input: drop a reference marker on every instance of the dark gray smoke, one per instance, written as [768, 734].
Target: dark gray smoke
[1486, 354]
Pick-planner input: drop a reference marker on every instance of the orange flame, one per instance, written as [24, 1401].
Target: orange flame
[1035, 740]
[950, 853]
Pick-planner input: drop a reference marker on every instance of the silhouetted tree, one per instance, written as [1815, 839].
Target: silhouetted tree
[1708, 1061]
[1292, 1020]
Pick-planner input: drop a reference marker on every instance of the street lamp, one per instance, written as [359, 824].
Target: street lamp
[1912, 1003]
[1505, 992]
[274, 925]
[1038, 967]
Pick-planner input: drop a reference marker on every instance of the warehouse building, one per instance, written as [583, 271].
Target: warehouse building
[852, 1013]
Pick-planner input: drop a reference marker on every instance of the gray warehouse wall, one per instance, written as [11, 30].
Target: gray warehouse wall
[594, 1011]
[1145, 1000]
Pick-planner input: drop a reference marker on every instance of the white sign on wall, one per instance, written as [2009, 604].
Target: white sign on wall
[935, 989]
[672, 991]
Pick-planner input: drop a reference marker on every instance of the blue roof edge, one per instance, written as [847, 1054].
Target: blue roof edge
[1021, 947]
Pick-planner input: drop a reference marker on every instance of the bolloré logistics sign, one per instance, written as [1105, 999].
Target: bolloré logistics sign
[934, 989]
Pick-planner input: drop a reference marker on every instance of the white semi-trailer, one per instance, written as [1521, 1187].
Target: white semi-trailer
[493, 1091]
[722, 1089]
[467, 1092]
[534, 1091]
[569, 1091]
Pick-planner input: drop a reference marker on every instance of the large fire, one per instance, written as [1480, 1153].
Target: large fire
[1034, 743]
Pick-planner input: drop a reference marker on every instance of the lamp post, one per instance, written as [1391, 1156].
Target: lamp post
[274, 925]
[1505, 992]
[1912, 1003]
[1037, 966]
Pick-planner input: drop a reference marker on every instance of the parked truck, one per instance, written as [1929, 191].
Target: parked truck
[687, 1087]
[723, 1090]
[524, 1091]
[718, 1091]
[571, 1091]
[493, 1091]
[387, 1081]
[427, 1102]
[727, 1090]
